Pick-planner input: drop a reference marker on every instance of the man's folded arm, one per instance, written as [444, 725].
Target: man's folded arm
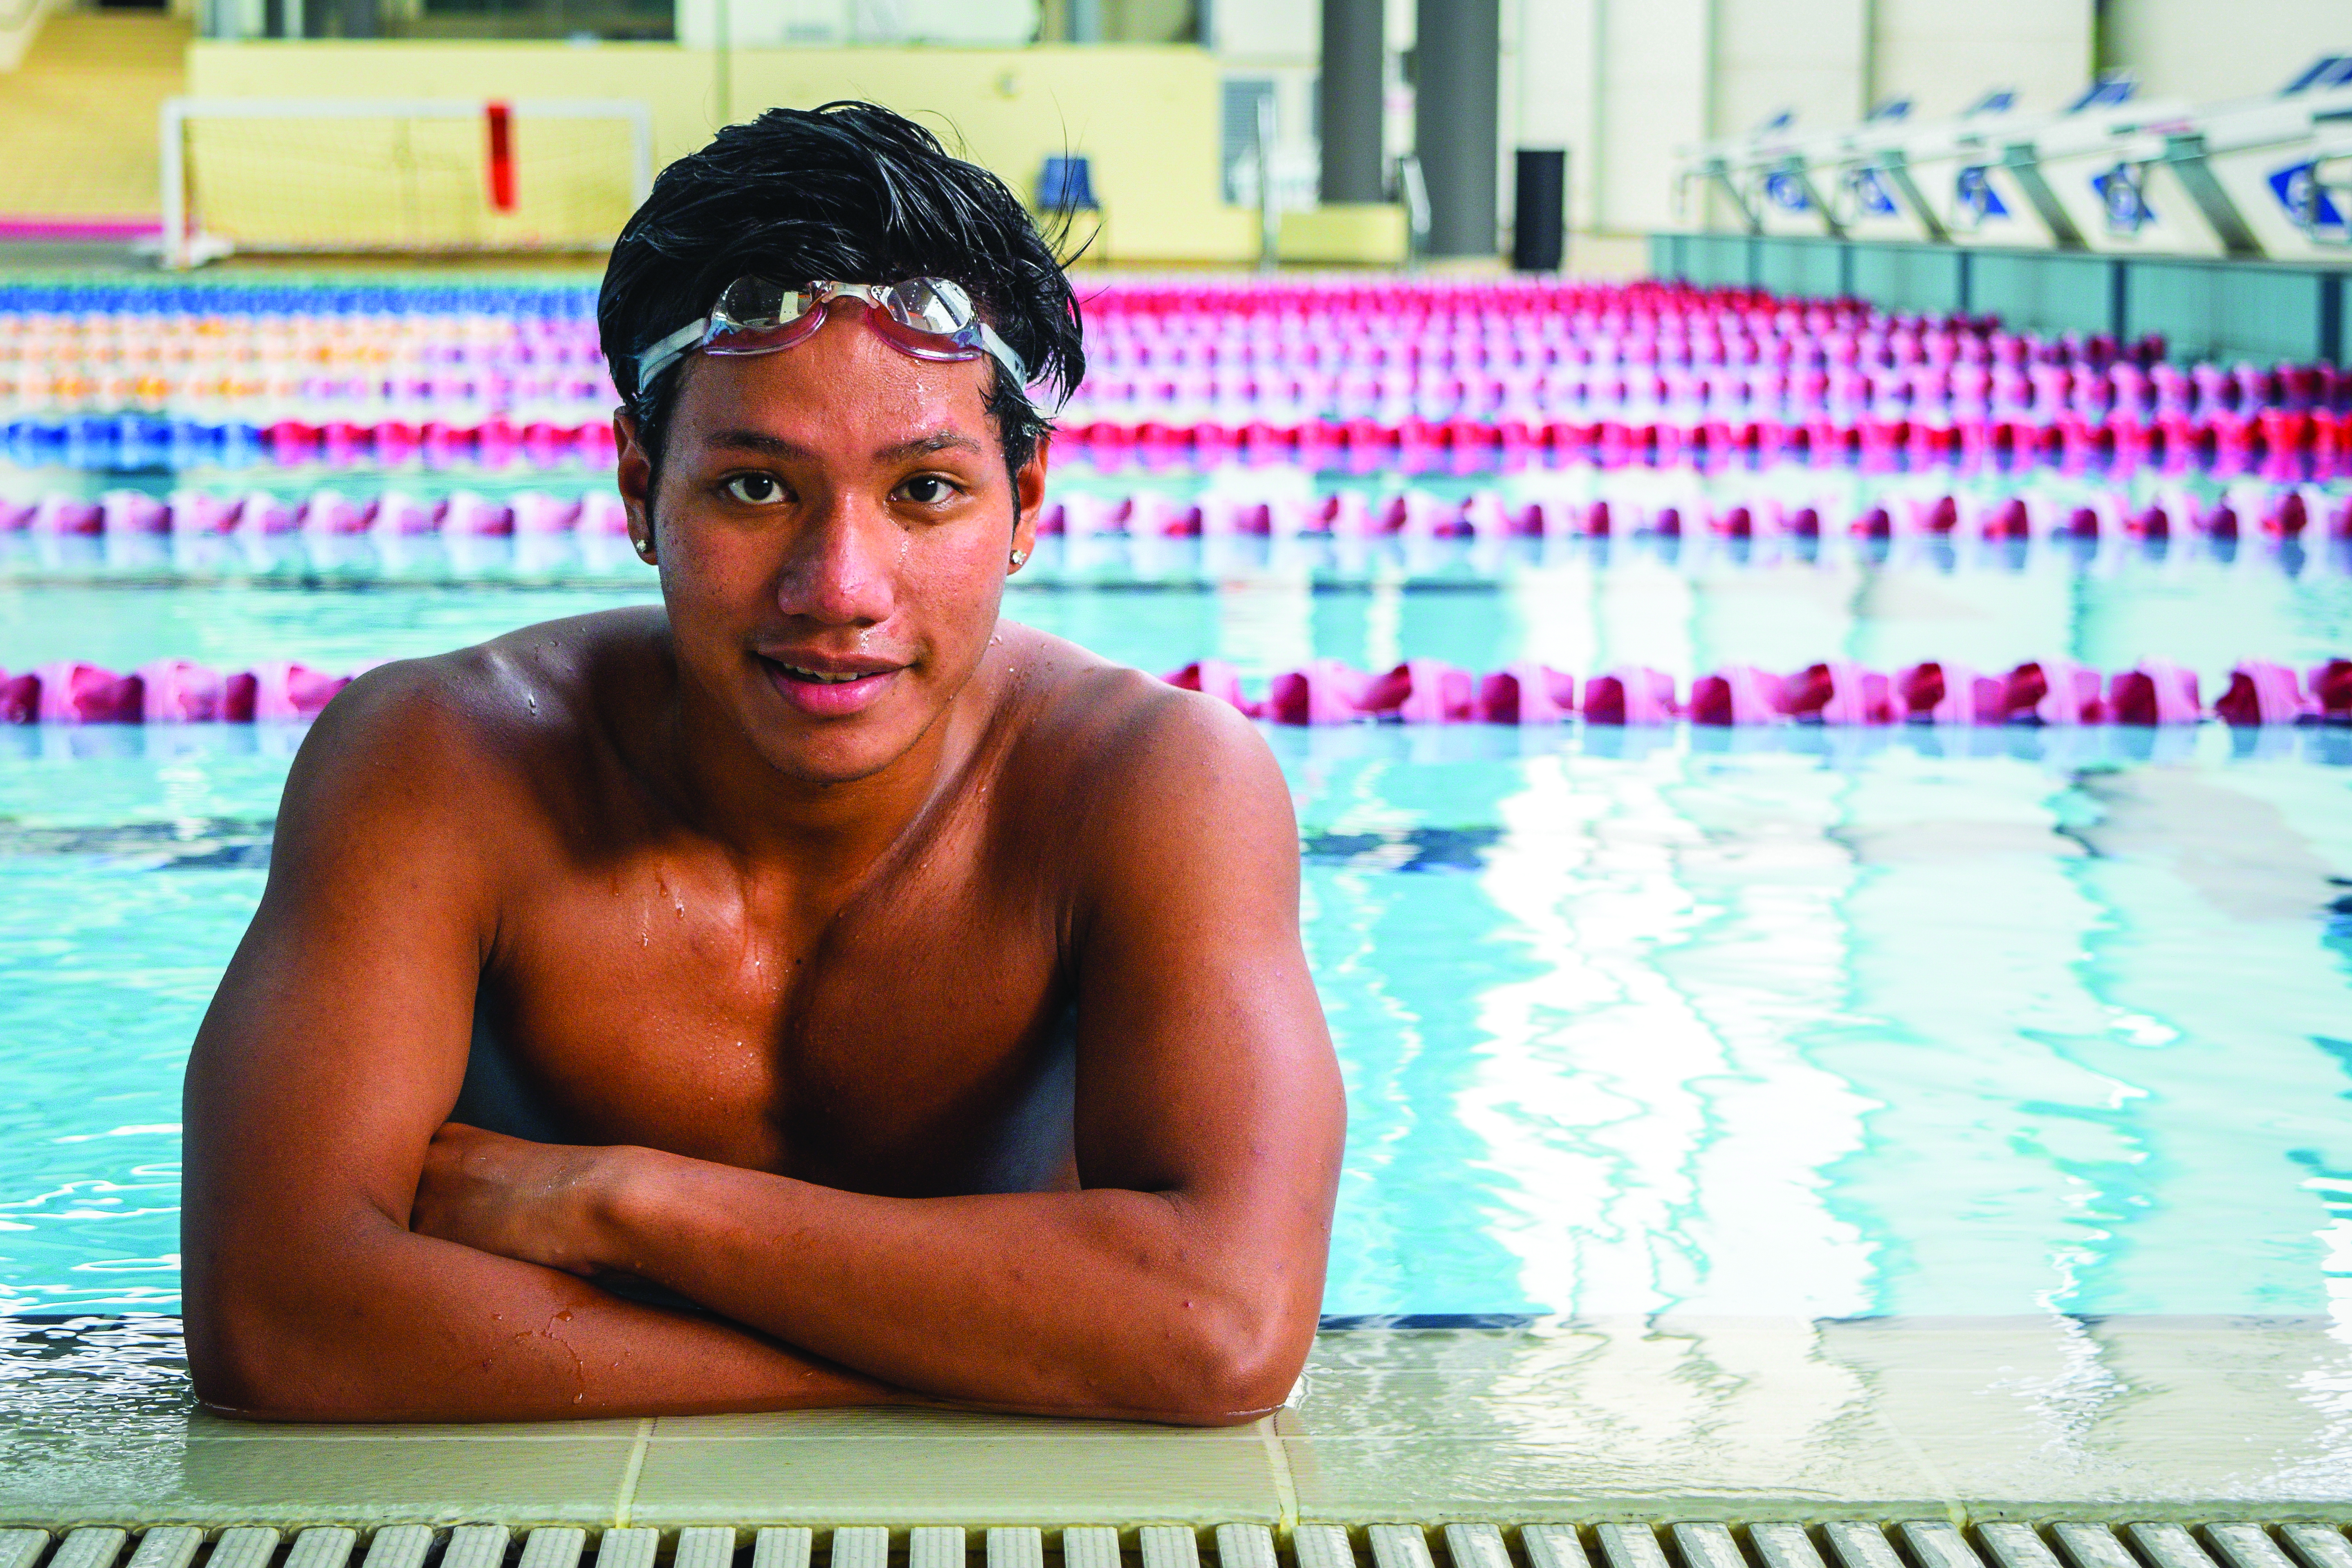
[1183, 1282]
[332, 1052]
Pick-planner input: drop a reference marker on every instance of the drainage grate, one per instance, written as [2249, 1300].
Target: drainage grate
[1835, 1543]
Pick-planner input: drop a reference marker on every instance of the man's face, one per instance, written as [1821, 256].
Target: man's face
[834, 528]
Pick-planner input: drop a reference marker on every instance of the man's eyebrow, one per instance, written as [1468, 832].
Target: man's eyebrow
[768, 445]
[925, 445]
[757, 441]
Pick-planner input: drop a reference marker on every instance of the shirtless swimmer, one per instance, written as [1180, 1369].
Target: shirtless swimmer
[815, 990]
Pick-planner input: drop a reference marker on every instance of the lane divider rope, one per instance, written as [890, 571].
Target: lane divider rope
[2281, 512]
[2283, 444]
[2059, 692]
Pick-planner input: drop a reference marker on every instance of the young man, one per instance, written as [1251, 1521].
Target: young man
[813, 991]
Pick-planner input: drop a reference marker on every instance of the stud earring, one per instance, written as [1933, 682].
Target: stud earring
[1019, 559]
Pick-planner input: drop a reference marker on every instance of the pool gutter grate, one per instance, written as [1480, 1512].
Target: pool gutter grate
[1826, 1543]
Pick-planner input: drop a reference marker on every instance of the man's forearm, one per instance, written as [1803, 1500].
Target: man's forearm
[1103, 1302]
[407, 1328]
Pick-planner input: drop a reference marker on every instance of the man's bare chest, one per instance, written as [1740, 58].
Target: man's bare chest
[893, 1043]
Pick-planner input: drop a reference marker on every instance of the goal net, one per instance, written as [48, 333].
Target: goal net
[332, 175]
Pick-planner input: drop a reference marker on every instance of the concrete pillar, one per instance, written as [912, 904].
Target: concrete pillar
[1348, 99]
[1456, 59]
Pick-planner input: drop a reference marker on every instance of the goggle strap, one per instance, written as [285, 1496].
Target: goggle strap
[659, 355]
[1004, 355]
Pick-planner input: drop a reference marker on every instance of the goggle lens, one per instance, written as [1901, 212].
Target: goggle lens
[932, 317]
[929, 318]
[931, 305]
[755, 304]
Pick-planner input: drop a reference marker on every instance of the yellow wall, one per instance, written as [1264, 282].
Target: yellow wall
[1146, 115]
[77, 120]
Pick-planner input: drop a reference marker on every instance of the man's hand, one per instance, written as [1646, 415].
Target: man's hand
[536, 1202]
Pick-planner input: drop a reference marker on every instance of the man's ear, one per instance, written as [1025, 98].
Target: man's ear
[635, 476]
[1029, 494]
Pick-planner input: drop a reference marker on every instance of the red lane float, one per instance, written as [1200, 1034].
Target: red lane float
[1422, 690]
[1739, 694]
[2262, 692]
[1526, 693]
[1630, 695]
[2162, 692]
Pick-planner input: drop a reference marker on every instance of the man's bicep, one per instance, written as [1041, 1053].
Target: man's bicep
[336, 1040]
[1205, 1066]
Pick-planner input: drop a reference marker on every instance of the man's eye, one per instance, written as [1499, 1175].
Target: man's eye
[926, 489]
[754, 489]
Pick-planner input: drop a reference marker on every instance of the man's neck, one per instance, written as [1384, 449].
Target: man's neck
[826, 831]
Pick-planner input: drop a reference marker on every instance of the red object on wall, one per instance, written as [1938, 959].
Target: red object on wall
[502, 178]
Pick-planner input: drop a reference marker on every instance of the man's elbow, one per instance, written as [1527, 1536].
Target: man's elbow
[247, 1360]
[1239, 1365]
[265, 1394]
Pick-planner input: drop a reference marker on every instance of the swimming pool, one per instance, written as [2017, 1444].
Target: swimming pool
[1803, 1021]
[1822, 1023]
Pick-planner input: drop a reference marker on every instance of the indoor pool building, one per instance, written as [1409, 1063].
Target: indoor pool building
[1795, 562]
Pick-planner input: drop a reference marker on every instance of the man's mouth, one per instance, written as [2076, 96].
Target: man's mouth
[834, 689]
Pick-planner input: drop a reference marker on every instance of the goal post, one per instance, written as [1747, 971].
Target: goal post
[339, 176]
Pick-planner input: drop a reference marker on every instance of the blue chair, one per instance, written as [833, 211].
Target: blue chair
[1067, 185]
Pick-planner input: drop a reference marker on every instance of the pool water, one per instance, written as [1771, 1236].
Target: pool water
[1804, 1022]
[1685, 607]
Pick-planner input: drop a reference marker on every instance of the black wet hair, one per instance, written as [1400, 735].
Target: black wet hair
[853, 192]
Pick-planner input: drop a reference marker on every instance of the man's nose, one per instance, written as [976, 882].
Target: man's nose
[844, 566]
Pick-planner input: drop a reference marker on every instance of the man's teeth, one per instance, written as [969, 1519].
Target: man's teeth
[823, 680]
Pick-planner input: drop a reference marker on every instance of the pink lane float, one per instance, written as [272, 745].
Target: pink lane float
[2281, 512]
[197, 513]
[166, 691]
[2271, 511]
[2044, 692]
[1419, 691]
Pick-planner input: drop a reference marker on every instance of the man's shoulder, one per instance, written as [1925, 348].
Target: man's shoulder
[1105, 717]
[499, 713]
[1131, 752]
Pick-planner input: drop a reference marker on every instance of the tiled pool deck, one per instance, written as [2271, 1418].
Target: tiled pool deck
[1588, 1420]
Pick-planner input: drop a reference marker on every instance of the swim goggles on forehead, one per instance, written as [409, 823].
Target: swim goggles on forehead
[929, 317]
